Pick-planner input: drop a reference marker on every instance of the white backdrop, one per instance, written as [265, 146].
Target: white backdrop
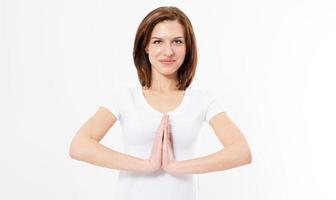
[271, 63]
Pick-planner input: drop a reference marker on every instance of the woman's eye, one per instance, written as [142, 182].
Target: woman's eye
[176, 41]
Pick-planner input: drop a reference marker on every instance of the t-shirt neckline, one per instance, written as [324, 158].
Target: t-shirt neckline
[152, 109]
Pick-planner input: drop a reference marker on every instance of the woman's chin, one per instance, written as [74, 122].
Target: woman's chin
[168, 72]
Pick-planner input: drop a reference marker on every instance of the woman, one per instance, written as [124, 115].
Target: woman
[162, 118]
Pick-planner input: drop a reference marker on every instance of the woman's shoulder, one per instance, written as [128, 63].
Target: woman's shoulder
[206, 96]
[200, 91]
[119, 92]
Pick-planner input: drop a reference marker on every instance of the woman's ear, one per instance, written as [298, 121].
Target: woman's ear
[146, 48]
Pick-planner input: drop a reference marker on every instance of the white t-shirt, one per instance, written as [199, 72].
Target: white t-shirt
[139, 122]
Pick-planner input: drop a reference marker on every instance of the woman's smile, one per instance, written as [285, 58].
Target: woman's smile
[167, 61]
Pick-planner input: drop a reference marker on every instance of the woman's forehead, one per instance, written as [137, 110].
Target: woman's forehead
[171, 29]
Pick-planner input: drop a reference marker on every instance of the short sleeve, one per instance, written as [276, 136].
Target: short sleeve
[213, 106]
[111, 101]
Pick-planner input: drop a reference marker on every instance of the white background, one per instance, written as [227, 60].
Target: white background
[270, 61]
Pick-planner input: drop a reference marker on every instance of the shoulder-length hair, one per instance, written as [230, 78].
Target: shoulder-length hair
[186, 72]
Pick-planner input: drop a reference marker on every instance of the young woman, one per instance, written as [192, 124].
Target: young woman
[161, 119]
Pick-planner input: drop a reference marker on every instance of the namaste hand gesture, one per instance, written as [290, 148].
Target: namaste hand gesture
[162, 155]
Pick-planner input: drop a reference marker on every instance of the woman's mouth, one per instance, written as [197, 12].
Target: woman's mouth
[167, 62]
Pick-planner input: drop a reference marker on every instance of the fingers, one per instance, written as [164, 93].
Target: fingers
[167, 135]
[164, 152]
[168, 131]
[158, 140]
[170, 151]
[170, 139]
[160, 134]
[161, 129]
[168, 142]
[165, 131]
[162, 123]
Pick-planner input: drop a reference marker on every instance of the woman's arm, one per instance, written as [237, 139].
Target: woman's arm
[235, 153]
[85, 145]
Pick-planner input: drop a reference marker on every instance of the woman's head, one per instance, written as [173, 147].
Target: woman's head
[165, 33]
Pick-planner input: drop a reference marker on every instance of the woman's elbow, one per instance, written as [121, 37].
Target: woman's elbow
[247, 155]
[243, 153]
[75, 150]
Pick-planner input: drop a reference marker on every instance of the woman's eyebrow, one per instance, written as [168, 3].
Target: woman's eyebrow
[173, 38]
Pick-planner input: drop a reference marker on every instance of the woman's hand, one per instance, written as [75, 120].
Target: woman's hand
[168, 158]
[162, 155]
[155, 160]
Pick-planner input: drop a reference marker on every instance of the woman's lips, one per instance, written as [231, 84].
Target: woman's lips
[167, 62]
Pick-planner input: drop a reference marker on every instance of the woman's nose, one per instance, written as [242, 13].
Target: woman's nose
[168, 50]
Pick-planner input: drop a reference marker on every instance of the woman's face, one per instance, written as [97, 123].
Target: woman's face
[166, 48]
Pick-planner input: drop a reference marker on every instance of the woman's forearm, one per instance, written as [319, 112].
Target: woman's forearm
[229, 157]
[91, 151]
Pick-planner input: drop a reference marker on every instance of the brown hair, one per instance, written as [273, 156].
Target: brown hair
[186, 72]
